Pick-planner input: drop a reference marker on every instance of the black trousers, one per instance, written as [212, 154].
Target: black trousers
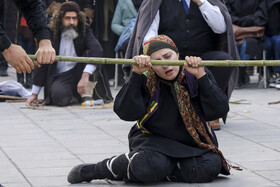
[64, 88]
[149, 166]
[221, 74]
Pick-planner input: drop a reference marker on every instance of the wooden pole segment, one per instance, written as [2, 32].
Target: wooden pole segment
[98, 60]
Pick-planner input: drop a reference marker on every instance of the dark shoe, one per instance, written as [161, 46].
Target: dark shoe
[81, 173]
[238, 86]
[3, 73]
[215, 125]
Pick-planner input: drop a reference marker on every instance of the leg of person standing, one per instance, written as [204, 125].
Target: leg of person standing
[222, 76]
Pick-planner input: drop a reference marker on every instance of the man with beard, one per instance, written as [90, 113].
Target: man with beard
[64, 80]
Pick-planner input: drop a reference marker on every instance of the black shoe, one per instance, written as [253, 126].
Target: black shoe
[3, 73]
[81, 173]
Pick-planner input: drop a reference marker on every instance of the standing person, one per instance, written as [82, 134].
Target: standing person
[102, 20]
[199, 28]
[122, 25]
[62, 81]
[246, 14]
[26, 41]
[272, 34]
[14, 54]
[171, 140]
[125, 11]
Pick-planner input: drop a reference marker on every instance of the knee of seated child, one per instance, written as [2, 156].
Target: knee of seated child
[148, 168]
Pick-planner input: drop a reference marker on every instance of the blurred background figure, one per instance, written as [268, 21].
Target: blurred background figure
[272, 38]
[122, 25]
[102, 19]
[3, 62]
[246, 14]
[26, 41]
[14, 54]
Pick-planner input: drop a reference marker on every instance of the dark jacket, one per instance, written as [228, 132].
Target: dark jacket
[247, 13]
[273, 27]
[101, 26]
[37, 23]
[85, 46]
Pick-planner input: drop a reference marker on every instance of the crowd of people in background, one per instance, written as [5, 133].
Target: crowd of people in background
[109, 19]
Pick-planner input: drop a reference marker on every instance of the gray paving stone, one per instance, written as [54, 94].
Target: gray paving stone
[16, 184]
[263, 165]
[273, 175]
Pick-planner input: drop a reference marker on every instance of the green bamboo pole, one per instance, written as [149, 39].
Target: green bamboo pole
[98, 60]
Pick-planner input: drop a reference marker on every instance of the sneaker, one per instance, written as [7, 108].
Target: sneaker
[277, 86]
[272, 85]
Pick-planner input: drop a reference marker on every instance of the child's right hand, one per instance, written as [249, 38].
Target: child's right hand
[143, 64]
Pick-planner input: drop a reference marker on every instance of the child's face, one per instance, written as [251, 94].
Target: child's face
[166, 72]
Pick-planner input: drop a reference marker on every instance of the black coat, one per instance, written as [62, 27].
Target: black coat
[247, 13]
[85, 46]
[273, 26]
[37, 23]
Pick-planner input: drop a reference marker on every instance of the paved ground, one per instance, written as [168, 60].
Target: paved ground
[39, 147]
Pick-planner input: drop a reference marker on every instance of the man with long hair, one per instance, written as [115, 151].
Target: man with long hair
[62, 81]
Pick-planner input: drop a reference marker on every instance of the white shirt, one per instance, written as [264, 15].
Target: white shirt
[66, 48]
[211, 14]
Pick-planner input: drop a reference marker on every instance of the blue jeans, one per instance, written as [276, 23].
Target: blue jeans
[242, 51]
[273, 48]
